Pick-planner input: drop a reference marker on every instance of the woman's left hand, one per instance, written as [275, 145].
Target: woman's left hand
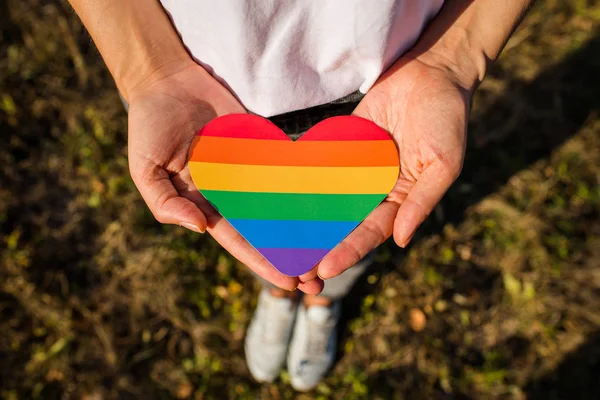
[425, 110]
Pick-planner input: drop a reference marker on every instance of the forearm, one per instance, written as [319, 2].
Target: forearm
[468, 35]
[135, 38]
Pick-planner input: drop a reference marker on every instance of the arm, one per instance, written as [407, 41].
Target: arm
[464, 40]
[468, 35]
[423, 100]
[170, 98]
[135, 38]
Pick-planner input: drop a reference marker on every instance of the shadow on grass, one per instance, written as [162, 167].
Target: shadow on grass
[576, 377]
[557, 103]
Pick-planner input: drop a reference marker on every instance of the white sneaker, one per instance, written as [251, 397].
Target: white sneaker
[268, 336]
[313, 346]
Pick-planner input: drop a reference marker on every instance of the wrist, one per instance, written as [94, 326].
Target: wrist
[149, 55]
[148, 69]
[136, 39]
[458, 57]
[466, 37]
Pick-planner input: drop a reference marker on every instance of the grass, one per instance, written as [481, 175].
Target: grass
[97, 300]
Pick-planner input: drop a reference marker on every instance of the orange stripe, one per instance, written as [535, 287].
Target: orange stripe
[375, 153]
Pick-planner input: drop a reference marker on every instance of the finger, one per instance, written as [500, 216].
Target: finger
[237, 246]
[312, 287]
[309, 276]
[373, 231]
[422, 198]
[228, 237]
[165, 203]
[310, 283]
[231, 240]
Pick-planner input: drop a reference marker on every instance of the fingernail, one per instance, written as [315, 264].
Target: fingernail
[320, 277]
[191, 227]
[408, 240]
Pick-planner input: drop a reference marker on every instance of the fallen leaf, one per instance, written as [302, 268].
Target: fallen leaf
[418, 320]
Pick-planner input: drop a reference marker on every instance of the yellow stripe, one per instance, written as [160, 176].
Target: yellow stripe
[286, 179]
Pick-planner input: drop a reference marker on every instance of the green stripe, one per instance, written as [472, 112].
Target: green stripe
[292, 206]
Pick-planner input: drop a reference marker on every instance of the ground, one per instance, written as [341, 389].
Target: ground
[498, 296]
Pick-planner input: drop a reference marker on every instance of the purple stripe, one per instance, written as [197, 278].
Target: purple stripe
[294, 262]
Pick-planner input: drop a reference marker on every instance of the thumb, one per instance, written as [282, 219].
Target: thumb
[165, 203]
[422, 198]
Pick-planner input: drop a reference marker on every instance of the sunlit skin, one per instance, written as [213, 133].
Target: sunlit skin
[164, 117]
[425, 110]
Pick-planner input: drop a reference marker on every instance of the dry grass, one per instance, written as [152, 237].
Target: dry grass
[503, 282]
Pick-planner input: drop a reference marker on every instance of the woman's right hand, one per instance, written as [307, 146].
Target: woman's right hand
[164, 116]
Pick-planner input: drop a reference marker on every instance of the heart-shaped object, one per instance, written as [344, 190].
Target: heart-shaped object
[293, 201]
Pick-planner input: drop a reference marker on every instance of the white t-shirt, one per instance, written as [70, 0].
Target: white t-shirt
[278, 56]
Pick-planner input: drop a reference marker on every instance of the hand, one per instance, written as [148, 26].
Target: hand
[164, 116]
[425, 109]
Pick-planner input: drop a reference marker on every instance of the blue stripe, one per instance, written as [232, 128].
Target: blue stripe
[293, 234]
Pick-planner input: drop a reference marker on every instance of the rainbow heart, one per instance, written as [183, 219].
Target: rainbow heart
[293, 201]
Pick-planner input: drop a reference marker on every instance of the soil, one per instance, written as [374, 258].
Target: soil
[498, 296]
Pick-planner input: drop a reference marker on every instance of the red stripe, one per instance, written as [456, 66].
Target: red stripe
[248, 126]
[347, 127]
[243, 126]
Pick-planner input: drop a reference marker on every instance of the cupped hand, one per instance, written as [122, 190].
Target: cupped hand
[164, 117]
[425, 109]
